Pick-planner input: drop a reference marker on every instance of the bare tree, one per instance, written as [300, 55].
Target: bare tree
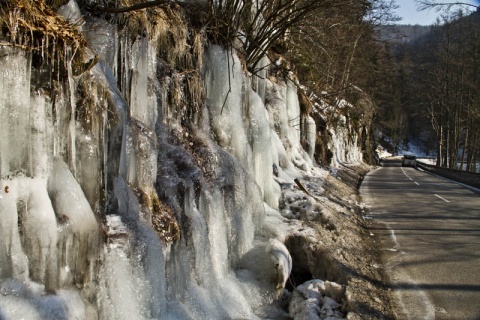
[257, 23]
[447, 67]
[434, 4]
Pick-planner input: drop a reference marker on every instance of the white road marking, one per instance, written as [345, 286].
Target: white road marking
[436, 195]
[417, 297]
[394, 238]
[411, 179]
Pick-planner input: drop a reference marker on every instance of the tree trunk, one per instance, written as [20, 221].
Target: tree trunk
[465, 147]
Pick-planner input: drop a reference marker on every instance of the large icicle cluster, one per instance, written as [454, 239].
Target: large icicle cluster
[117, 202]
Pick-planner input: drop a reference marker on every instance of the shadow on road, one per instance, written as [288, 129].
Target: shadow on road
[391, 163]
[440, 286]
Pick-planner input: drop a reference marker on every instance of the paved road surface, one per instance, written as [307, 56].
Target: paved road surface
[430, 232]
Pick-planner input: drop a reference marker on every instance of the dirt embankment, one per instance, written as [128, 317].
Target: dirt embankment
[344, 250]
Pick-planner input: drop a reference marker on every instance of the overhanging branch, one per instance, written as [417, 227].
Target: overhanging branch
[139, 6]
[429, 4]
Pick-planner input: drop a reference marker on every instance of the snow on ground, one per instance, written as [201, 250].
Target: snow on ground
[333, 248]
[382, 152]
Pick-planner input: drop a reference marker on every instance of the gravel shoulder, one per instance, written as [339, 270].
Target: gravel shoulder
[343, 249]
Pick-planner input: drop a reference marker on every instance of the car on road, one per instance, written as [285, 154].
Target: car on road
[409, 160]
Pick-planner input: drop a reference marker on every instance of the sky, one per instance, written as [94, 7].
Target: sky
[410, 15]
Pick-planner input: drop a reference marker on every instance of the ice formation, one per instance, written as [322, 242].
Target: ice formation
[315, 300]
[111, 207]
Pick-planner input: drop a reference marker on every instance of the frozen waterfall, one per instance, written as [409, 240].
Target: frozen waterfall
[114, 206]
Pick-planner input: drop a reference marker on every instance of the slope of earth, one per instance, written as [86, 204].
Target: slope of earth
[343, 249]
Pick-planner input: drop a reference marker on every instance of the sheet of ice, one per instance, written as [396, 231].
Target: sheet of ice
[142, 153]
[114, 133]
[225, 87]
[312, 301]
[78, 229]
[260, 77]
[14, 111]
[89, 162]
[262, 149]
[283, 108]
[142, 98]
[132, 277]
[13, 261]
[293, 111]
[71, 12]
[41, 124]
[122, 292]
[344, 144]
[24, 207]
[281, 260]
[201, 281]
[26, 300]
[311, 136]
[276, 225]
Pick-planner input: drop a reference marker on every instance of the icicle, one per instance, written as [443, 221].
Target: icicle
[72, 126]
[14, 112]
[42, 44]
[77, 220]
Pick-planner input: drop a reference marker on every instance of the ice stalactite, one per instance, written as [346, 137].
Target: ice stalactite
[218, 226]
[78, 230]
[23, 166]
[49, 236]
[132, 281]
[309, 135]
[225, 91]
[142, 97]
[263, 151]
[284, 110]
[344, 144]
[239, 120]
[41, 133]
[14, 111]
[293, 111]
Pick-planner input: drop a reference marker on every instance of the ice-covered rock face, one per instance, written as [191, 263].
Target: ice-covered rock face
[282, 261]
[114, 207]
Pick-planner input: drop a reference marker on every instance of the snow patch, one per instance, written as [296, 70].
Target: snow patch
[315, 300]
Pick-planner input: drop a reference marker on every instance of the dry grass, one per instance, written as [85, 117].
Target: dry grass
[92, 100]
[163, 218]
[33, 25]
[180, 40]
[195, 90]
[176, 91]
[180, 45]
[164, 221]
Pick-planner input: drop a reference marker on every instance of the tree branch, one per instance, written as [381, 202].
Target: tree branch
[428, 4]
[138, 6]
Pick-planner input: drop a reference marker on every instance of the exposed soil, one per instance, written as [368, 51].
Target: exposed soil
[346, 252]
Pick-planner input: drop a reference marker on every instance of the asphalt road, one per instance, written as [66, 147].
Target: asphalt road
[430, 233]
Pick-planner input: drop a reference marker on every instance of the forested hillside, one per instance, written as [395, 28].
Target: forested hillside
[435, 92]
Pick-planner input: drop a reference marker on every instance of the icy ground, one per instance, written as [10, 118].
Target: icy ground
[336, 266]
